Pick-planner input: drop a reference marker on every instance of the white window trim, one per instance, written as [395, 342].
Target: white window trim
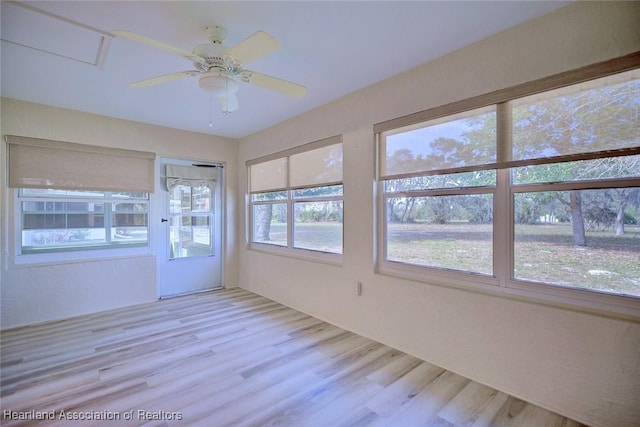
[17, 259]
[289, 250]
[502, 283]
[299, 253]
[440, 276]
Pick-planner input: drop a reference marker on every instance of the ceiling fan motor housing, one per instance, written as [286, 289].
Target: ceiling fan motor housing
[216, 33]
[215, 56]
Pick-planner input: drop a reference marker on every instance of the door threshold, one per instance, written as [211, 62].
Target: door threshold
[202, 291]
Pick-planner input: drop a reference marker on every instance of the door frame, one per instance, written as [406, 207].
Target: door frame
[158, 238]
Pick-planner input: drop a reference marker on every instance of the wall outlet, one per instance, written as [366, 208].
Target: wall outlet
[358, 288]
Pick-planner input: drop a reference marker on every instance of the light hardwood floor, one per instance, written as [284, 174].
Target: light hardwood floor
[233, 358]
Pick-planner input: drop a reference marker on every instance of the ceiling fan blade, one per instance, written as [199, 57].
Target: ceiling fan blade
[229, 103]
[255, 46]
[273, 83]
[158, 45]
[165, 78]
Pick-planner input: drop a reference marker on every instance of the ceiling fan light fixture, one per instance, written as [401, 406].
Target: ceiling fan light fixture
[217, 85]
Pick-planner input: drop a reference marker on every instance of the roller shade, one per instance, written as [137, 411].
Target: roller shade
[406, 149]
[193, 176]
[41, 163]
[315, 164]
[314, 168]
[269, 176]
[455, 141]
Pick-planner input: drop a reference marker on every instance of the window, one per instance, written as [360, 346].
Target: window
[63, 220]
[296, 199]
[534, 194]
[443, 220]
[71, 197]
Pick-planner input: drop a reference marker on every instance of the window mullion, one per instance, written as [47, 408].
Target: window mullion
[290, 218]
[502, 229]
[290, 205]
[504, 131]
[108, 211]
[503, 207]
[319, 199]
[454, 191]
[578, 185]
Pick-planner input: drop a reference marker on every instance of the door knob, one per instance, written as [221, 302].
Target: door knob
[163, 220]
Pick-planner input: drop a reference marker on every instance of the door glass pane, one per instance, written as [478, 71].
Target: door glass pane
[191, 223]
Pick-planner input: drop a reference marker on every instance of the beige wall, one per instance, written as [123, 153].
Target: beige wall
[579, 364]
[32, 294]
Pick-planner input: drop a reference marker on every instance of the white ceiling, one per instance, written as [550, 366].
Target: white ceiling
[333, 48]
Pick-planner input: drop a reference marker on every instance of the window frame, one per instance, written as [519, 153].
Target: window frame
[72, 253]
[290, 201]
[503, 281]
[436, 192]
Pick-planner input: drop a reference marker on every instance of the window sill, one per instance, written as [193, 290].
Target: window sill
[593, 302]
[71, 257]
[439, 277]
[303, 254]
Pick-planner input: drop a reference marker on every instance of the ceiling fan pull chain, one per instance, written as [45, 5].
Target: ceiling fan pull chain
[226, 98]
[210, 111]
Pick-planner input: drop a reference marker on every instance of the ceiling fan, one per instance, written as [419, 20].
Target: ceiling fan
[220, 68]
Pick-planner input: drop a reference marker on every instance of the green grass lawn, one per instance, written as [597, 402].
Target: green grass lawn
[608, 263]
[319, 236]
[543, 253]
[453, 246]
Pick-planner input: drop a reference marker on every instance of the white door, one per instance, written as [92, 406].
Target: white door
[190, 226]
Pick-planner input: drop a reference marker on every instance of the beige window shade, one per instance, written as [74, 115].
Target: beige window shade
[322, 166]
[268, 176]
[596, 116]
[515, 149]
[309, 165]
[41, 163]
[589, 120]
[455, 141]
